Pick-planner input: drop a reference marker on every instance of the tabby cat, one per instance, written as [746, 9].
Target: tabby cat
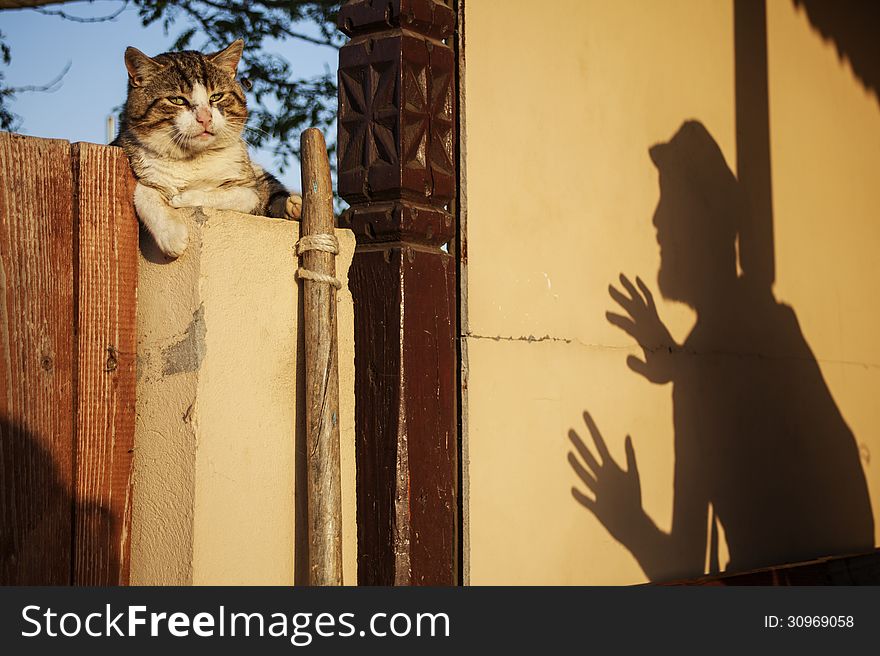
[181, 128]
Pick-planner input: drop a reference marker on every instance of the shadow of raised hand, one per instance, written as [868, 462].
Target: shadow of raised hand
[617, 493]
[643, 324]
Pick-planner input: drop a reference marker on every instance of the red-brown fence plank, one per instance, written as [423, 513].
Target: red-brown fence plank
[36, 360]
[106, 350]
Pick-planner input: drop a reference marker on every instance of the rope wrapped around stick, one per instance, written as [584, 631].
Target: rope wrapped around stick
[321, 242]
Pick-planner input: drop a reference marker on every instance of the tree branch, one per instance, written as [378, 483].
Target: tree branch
[79, 19]
[49, 87]
[29, 4]
[233, 9]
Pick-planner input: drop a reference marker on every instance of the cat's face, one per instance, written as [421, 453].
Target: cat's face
[183, 103]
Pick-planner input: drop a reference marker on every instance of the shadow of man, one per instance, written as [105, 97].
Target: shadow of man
[760, 445]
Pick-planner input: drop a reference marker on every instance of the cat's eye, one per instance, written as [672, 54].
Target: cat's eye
[177, 100]
[216, 97]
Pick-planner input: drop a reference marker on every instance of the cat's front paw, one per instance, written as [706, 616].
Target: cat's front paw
[189, 198]
[293, 207]
[172, 238]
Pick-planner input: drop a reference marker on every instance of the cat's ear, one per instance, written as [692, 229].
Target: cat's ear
[228, 58]
[139, 66]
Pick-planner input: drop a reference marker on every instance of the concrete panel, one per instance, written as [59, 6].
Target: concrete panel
[218, 416]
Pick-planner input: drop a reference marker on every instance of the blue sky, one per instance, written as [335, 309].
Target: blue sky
[42, 45]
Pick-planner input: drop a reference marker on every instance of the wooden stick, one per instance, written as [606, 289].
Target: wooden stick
[322, 373]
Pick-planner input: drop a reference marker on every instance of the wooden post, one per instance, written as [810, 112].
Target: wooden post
[322, 373]
[398, 169]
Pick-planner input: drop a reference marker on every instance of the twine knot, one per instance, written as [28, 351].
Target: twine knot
[322, 242]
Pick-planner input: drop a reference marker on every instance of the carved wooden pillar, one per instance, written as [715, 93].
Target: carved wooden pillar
[397, 169]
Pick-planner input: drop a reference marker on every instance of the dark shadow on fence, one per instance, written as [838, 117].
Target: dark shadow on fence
[37, 513]
[761, 448]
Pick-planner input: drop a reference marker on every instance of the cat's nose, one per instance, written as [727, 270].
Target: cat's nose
[203, 116]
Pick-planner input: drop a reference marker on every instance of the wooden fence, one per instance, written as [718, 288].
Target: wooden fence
[68, 277]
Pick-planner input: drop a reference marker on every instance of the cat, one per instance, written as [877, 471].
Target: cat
[181, 128]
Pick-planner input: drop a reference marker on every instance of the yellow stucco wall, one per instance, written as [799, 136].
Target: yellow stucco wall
[559, 111]
[220, 350]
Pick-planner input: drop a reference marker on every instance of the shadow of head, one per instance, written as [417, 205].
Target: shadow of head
[697, 216]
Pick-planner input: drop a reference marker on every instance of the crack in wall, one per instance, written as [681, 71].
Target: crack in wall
[525, 338]
[676, 350]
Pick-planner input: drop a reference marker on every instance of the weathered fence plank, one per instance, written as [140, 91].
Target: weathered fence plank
[36, 360]
[106, 260]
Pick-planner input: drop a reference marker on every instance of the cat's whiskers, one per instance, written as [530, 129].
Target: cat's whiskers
[178, 141]
[243, 124]
[257, 131]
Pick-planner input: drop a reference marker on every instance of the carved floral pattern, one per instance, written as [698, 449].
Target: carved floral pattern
[376, 133]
